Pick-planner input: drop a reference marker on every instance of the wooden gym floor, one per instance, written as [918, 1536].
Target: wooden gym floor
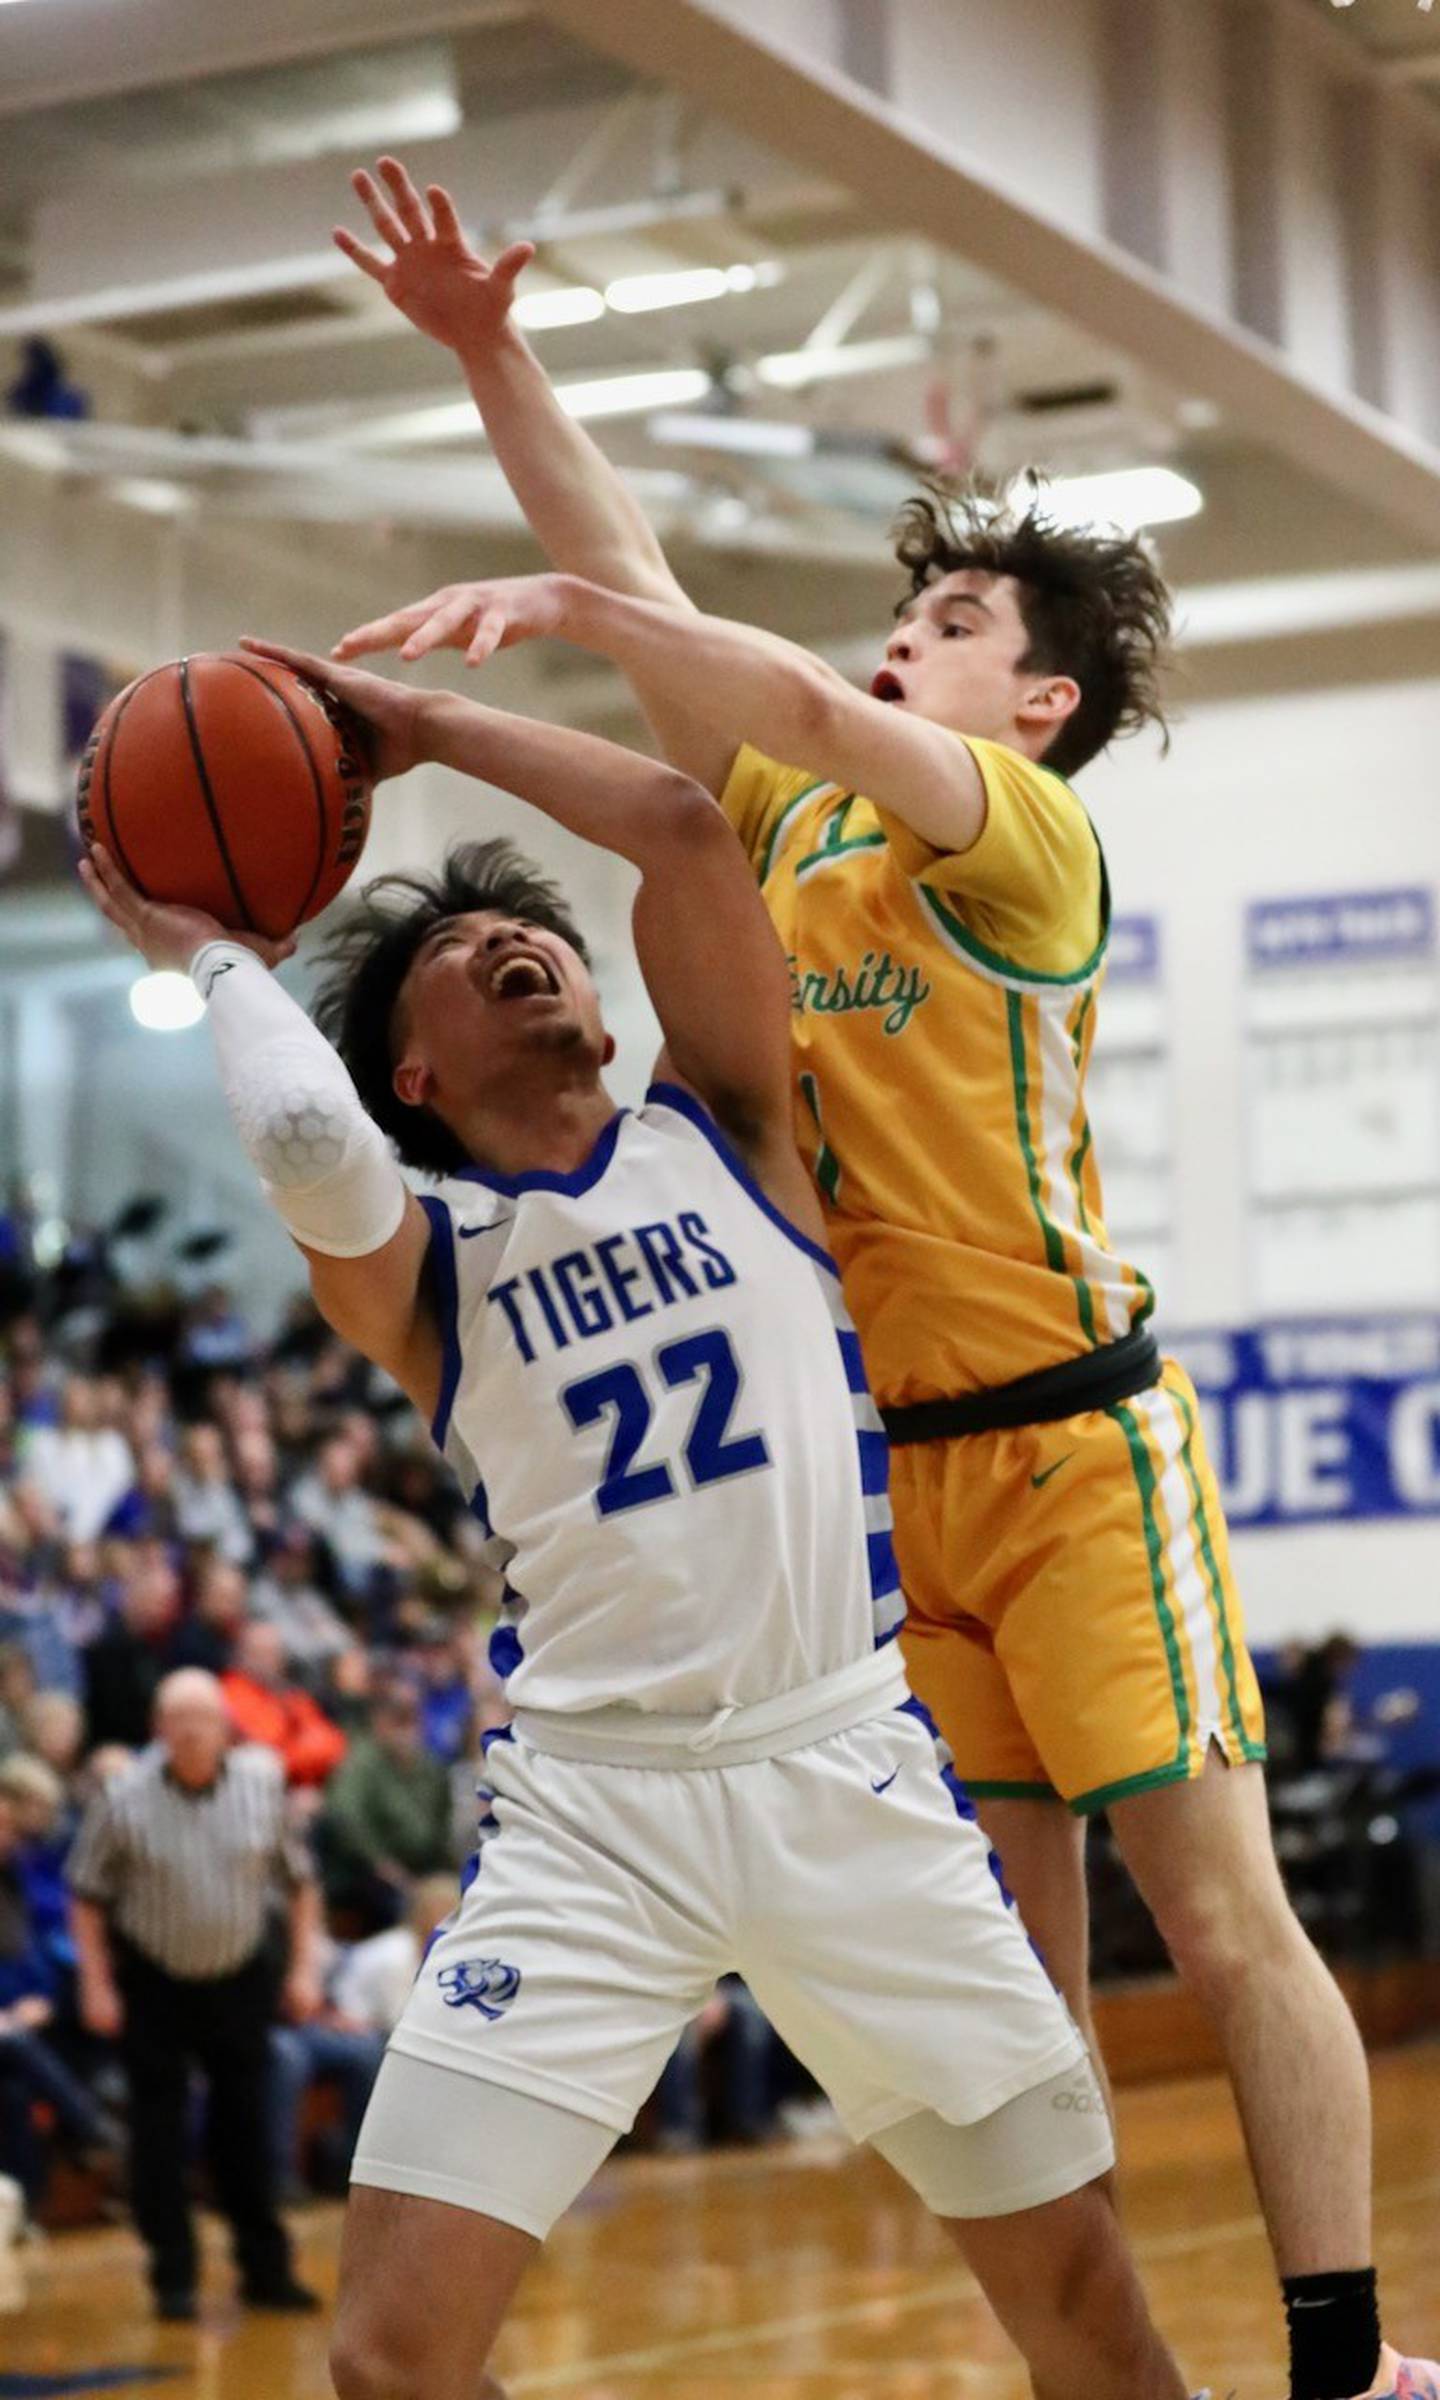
[783, 2274]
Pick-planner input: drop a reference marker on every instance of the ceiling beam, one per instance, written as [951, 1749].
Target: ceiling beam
[1320, 246]
[89, 48]
[244, 232]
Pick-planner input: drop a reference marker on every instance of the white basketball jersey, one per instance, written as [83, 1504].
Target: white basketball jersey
[656, 1401]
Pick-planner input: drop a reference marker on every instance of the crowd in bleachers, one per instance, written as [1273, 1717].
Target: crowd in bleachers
[176, 1491]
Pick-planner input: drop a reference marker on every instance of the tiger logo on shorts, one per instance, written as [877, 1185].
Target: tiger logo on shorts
[486, 1984]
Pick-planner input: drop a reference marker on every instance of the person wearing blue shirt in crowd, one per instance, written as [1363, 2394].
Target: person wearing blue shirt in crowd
[31, 2071]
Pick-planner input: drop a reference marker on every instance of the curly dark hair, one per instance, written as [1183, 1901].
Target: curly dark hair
[369, 957]
[1094, 603]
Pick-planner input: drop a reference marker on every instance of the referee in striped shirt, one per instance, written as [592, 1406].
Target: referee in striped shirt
[174, 1879]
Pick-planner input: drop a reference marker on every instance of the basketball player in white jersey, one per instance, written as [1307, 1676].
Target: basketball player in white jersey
[632, 1346]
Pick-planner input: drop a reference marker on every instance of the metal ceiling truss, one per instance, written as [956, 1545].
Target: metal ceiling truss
[241, 232]
[1277, 259]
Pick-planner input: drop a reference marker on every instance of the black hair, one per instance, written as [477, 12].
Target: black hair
[368, 959]
[1094, 603]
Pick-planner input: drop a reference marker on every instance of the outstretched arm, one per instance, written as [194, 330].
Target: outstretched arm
[577, 504]
[792, 705]
[795, 707]
[708, 952]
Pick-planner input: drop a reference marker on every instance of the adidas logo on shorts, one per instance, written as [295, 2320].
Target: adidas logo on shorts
[1082, 2098]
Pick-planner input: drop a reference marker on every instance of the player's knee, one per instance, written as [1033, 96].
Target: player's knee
[1064, 2270]
[365, 2365]
[1074, 2240]
[1096, 2296]
[1215, 1929]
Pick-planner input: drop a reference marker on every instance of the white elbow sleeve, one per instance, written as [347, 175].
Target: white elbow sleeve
[327, 1168]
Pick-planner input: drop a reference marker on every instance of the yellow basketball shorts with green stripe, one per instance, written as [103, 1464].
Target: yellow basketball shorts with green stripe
[1074, 1627]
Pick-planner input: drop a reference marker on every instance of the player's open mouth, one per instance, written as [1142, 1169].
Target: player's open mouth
[524, 976]
[887, 686]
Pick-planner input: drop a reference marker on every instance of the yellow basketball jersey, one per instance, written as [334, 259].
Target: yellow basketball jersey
[944, 1018]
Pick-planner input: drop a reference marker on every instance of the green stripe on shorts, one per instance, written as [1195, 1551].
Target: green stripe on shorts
[1155, 1552]
[1217, 1581]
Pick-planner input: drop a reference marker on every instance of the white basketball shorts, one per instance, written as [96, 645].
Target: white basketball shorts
[848, 1885]
[862, 1908]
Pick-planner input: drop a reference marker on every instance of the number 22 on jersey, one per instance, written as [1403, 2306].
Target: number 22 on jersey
[711, 1452]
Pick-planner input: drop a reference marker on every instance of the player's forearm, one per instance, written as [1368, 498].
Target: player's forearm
[732, 679]
[576, 503]
[735, 680]
[608, 795]
[325, 1166]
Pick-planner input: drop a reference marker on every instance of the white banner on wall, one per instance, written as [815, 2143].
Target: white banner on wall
[1342, 1036]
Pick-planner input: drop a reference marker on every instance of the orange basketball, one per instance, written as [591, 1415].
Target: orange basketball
[229, 784]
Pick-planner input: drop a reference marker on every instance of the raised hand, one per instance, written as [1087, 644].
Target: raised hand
[391, 717]
[428, 270]
[478, 618]
[166, 934]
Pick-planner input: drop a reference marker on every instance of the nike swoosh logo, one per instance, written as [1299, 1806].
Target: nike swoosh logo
[1037, 1480]
[885, 1786]
[467, 1233]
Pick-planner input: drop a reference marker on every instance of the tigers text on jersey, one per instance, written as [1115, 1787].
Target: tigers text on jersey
[944, 1012]
[655, 1396]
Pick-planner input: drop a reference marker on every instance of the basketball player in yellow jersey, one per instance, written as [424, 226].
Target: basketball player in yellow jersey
[942, 896]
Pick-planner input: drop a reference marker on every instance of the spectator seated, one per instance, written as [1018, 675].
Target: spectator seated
[267, 1708]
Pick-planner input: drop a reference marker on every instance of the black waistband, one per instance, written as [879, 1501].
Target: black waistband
[1097, 1379]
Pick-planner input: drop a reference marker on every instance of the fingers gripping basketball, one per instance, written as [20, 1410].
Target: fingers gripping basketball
[231, 785]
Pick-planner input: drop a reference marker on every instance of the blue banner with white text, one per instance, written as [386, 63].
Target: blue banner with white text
[1317, 1421]
[1331, 929]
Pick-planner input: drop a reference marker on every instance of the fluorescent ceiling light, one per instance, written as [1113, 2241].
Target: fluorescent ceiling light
[742, 437]
[791, 370]
[416, 117]
[599, 396]
[1129, 497]
[165, 1003]
[762, 277]
[633, 294]
[634, 395]
[447, 421]
[567, 304]
[154, 495]
[728, 515]
[677, 287]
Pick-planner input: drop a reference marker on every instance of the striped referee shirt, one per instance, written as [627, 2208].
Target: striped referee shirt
[189, 1878]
